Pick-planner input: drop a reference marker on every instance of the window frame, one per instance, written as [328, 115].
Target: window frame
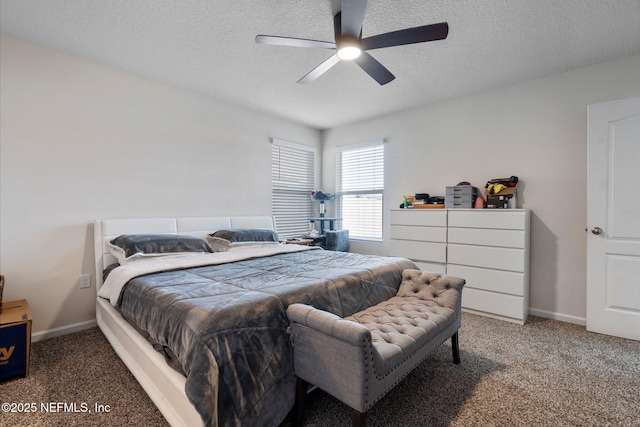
[283, 214]
[340, 192]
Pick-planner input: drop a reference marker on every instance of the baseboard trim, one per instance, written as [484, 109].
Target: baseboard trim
[62, 330]
[76, 327]
[558, 316]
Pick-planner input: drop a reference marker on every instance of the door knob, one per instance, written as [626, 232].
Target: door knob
[596, 230]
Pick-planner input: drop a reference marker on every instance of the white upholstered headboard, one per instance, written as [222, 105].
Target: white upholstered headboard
[107, 229]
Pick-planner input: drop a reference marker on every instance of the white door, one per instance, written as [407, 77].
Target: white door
[613, 218]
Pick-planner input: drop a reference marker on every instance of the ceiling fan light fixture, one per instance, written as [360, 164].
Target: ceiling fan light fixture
[349, 48]
[349, 44]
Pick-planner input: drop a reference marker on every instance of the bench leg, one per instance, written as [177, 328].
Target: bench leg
[359, 418]
[301, 401]
[455, 349]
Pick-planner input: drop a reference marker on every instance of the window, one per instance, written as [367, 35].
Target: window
[359, 188]
[293, 179]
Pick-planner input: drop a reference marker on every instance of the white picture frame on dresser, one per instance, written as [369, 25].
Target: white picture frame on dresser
[489, 248]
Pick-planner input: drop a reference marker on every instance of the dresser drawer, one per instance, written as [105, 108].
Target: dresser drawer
[506, 282]
[431, 267]
[487, 237]
[420, 251]
[487, 257]
[489, 248]
[489, 218]
[494, 303]
[410, 232]
[424, 217]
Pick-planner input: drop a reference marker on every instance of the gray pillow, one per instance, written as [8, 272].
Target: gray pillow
[247, 235]
[224, 240]
[129, 246]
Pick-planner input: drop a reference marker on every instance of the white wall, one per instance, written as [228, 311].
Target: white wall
[81, 141]
[535, 130]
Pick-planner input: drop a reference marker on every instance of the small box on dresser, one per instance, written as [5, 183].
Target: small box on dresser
[490, 249]
[460, 197]
[15, 340]
[506, 199]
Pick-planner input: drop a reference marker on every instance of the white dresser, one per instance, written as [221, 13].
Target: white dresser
[487, 247]
[421, 237]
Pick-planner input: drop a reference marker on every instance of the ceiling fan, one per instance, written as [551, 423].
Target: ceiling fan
[350, 46]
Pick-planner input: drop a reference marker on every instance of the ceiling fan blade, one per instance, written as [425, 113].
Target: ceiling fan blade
[320, 69]
[375, 69]
[353, 16]
[295, 42]
[425, 33]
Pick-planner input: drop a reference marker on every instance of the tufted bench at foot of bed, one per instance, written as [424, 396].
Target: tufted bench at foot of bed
[360, 358]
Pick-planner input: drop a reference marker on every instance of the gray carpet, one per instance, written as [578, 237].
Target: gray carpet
[546, 373]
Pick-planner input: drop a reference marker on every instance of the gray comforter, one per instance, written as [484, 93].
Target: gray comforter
[226, 324]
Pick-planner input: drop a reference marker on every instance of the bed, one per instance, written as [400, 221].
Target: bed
[240, 371]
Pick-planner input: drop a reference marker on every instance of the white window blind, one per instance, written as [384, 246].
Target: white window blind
[359, 188]
[293, 179]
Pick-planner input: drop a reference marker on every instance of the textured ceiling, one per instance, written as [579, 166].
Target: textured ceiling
[208, 46]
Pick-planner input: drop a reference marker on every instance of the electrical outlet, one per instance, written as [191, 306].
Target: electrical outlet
[85, 281]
